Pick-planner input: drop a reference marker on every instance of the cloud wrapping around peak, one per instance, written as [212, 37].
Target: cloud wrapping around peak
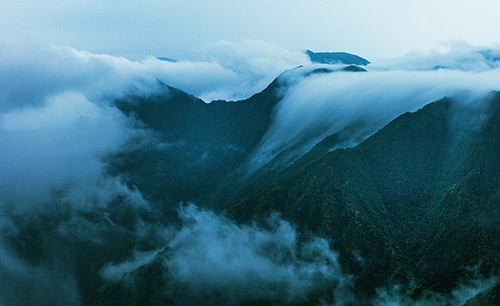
[319, 105]
[230, 70]
[222, 70]
[57, 122]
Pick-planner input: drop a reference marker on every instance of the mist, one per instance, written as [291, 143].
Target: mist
[213, 261]
[57, 120]
[459, 296]
[458, 55]
[356, 105]
[66, 223]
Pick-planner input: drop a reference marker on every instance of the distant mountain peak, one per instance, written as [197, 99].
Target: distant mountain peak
[336, 58]
[166, 59]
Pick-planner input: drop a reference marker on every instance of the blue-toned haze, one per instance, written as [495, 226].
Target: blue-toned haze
[62, 64]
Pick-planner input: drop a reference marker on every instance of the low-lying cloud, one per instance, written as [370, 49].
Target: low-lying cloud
[222, 70]
[213, 261]
[57, 145]
[459, 55]
[459, 296]
[23, 284]
[65, 223]
[316, 106]
[227, 70]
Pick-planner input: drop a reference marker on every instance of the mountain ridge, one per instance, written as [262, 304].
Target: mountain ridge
[336, 58]
[411, 205]
[345, 183]
[395, 200]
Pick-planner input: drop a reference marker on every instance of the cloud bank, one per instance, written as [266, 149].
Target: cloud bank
[58, 146]
[213, 261]
[56, 119]
[315, 106]
[210, 260]
[459, 55]
[65, 223]
[223, 70]
[459, 296]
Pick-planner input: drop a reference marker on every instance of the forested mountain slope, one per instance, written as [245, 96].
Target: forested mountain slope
[412, 211]
[418, 200]
[196, 150]
[191, 145]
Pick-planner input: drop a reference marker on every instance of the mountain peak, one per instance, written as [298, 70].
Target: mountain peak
[336, 58]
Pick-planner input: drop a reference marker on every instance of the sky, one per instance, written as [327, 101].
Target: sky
[182, 29]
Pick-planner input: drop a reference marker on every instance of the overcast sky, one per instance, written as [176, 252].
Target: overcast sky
[180, 29]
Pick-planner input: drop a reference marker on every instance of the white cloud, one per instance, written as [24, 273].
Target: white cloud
[55, 146]
[213, 261]
[458, 55]
[319, 105]
[396, 295]
[57, 122]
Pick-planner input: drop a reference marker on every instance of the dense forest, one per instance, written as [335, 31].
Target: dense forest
[414, 204]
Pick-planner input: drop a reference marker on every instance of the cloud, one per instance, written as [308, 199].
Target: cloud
[458, 55]
[358, 104]
[207, 80]
[62, 218]
[459, 296]
[213, 261]
[365, 28]
[57, 122]
[227, 70]
[118, 271]
[30, 73]
[256, 63]
[64, 242]
[36, 284]
[58, 145]
[223, 70]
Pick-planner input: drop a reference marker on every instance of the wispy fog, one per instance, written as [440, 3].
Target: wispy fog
[23, 284]
[58, 146]
[459, 55]
[224, 70]
[213, 261]
[322, 104]
[459, 296]
[67, 227]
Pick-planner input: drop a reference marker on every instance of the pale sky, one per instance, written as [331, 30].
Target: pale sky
[178, 29]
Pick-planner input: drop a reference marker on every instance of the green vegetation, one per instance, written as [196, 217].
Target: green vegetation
[416, 204]
[418, 200]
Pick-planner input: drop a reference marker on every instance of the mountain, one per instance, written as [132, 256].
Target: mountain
[336, 58]
[192, 145]
[362, 204]
[199, 151]
[418, 200]
[166, 59]
[415, 204]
